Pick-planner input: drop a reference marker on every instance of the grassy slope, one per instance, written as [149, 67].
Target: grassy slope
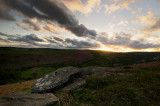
[16, 87]
[141, 87]
[14, 58]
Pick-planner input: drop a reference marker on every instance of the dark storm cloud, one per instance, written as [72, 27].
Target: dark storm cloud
[50, 10]
[123, 39]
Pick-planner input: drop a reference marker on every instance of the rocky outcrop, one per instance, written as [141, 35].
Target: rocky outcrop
[28, 99]
[69, 78]
[55, 80]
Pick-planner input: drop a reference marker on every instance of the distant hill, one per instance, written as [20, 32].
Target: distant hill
[16, 58]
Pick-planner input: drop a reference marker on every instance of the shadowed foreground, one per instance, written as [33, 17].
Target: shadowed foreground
[140, 86]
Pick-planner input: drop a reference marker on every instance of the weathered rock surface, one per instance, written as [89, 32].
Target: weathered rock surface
[28, 99]
[54, 80]
[70, 78]
[75, 85]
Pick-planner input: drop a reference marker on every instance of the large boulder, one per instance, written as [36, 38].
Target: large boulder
[28, 99]
[55, 80]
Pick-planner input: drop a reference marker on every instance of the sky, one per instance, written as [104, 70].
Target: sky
[111, 25]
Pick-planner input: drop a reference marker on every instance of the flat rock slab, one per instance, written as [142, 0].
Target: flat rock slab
[28, 99]
[54, 80]
[75, 85]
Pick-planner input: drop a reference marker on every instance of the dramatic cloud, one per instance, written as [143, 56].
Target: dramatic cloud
[49, 10]
[123, 39]
[118, 5]
[63, 24]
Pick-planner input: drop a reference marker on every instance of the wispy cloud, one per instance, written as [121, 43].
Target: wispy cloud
[28, 24]
[37, 25]
[50, 27]
[81, 6]
[118, 5]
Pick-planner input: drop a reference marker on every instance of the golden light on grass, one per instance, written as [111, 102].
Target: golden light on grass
[112, 48]
[16, 87]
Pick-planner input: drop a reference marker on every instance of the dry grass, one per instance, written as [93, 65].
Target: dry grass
[16, 87]
[146, 64]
